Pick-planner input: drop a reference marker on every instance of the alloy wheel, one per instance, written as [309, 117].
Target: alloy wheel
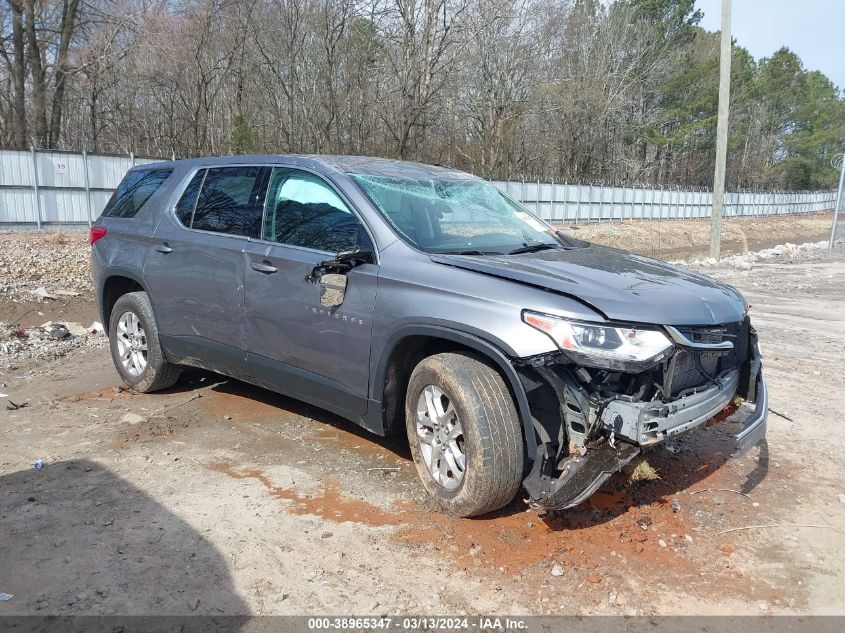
[131, 343]
[441, 437]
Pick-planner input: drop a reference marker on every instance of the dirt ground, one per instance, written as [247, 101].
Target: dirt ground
[688, 239]
[218, 497]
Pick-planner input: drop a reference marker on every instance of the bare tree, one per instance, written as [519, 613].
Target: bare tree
[576, 89]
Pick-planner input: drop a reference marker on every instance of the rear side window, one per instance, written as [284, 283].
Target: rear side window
[228, 201]
[186, 204]
[134, 190]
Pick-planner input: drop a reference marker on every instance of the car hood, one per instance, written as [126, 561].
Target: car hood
[620, 285]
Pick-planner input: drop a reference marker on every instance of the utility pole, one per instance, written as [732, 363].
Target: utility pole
[841, 160]
[721, 132]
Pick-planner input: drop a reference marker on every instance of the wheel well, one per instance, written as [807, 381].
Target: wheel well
[406, 355]
[114, 288]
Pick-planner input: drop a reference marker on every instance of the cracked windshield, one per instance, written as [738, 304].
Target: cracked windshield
[465, 216]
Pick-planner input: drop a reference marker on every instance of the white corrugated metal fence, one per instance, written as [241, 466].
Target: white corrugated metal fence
[47, 188]
[591, 203]
[54, 188]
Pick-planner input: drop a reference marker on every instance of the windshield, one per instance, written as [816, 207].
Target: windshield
[456, 215]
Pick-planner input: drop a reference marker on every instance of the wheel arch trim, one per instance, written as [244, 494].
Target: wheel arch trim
[487, 349]
[119, 271]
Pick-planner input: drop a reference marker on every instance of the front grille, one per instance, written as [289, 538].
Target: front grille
[715, 334]
[688, 369]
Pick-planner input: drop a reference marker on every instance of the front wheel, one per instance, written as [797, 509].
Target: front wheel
[135, 349]
[464, 433]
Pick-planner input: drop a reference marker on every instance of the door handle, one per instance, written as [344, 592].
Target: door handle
[264, 268]
[163, 248]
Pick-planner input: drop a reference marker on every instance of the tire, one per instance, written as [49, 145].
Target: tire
[150, 370]
[490, 434]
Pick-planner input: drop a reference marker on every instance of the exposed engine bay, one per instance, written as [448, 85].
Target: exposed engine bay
[591, 421]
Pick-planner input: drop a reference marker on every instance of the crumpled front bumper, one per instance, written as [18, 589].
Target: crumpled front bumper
[638, 426]
[754, 426]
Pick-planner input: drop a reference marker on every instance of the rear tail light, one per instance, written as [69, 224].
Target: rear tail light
[96, 233]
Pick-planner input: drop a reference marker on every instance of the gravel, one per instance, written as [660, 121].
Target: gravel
[57, 261]
[39, 267]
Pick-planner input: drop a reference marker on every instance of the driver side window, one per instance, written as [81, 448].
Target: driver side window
[302, 210]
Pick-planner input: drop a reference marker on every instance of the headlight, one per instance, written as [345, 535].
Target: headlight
[602, 345]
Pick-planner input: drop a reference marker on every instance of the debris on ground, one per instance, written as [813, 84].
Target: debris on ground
[38, 464]
[58, 331]
[5, 596]
[132, 418]
[676, 506]
[695, 492]
[557, 570]
[641, 470]
[772, 525]
[46, 342]
[41, 293]
[644, 521]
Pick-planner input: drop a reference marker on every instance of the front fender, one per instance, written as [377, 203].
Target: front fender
[487, 349]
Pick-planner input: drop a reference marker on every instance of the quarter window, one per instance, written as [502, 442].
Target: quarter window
[302, 210]
[228, 201]
[133, 192]
[186, 204]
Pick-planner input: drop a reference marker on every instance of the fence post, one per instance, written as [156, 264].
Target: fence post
[601, 203]
[35, 185]
[565, 191]
[621, 205]
[87, 185]
[650, 205]
[577, 202]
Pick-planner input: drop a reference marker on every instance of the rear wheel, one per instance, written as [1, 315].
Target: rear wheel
[135, 349]
[464, 433]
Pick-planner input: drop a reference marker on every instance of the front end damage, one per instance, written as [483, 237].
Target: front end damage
[590, 422]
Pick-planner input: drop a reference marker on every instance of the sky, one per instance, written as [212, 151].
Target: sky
[813, 29]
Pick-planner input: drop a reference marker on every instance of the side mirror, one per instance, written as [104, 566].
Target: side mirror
[331, 275]
[342, 263]
[356, 256]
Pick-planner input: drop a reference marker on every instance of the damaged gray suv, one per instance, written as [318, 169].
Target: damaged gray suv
[403, 295]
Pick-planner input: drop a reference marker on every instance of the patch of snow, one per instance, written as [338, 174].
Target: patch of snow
[746, 261]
